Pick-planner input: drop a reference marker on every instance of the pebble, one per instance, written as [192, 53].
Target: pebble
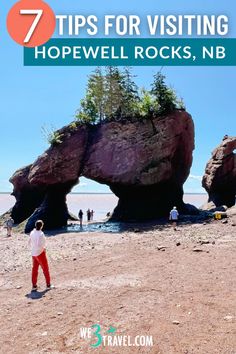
[228, 318]
[224, 221]
[60, 313]
[161, 248]
[44, 333]
[204, 242]
[74, 259]
[176, 322]
[178, 243]
[197, 250]
[19, 287]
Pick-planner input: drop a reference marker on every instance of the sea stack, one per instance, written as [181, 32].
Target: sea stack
[219, 179]
[144, 162]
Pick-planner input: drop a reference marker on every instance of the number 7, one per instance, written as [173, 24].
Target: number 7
[38, 14]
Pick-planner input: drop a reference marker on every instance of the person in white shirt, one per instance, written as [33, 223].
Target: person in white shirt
[174, 215]
[37, 241]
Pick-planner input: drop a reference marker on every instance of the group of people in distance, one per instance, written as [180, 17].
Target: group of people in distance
[173, 217]
[89, 213]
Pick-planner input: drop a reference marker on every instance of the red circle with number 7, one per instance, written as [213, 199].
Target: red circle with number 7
[31, 23]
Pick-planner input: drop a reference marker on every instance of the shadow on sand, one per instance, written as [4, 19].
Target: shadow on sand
[36, 295]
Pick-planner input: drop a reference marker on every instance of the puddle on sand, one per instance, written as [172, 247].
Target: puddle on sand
[110, 227]
[115, 227]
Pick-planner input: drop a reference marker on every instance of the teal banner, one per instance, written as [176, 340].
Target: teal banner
[133, 52]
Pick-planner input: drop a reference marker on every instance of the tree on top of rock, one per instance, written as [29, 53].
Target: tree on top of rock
[131, 97]
[114, 96]
[165, 97]
[97, 88]
[92, 106]
[114, 93]
[104, 97]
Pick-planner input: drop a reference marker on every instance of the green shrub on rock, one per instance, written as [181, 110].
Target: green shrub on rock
[52, 136]
[113, 95]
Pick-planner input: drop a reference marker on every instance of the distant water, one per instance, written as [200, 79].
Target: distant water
[100, 203]
[6, 202]
[196, 199]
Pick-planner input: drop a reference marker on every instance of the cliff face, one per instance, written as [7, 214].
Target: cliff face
[219, 179]
[144, 163]
[140, 153]
[63, 162]
[28, 197]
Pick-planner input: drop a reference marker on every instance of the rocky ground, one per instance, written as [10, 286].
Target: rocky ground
[177, 286]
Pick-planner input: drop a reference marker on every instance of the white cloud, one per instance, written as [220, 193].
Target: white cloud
[198, 178]
[83, 184]
[194, 184]
[194, 190]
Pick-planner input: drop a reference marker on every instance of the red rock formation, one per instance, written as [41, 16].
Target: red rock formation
[63, 162]
[28, 197]
[219, 179]
[145, 164]
[53, 209]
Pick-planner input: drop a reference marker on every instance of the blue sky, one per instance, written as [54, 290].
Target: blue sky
[41, 96]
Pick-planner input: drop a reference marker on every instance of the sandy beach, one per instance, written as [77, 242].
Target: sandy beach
[119, 143]
[178, 287]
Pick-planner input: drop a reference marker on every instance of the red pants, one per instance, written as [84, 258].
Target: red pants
[40, 260]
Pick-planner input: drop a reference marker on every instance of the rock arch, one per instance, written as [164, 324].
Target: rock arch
[144, 163]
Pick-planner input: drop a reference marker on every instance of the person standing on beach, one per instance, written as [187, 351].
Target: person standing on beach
[91, 215]
[9, 224]
[174, 215]
[81, 217]
[37, 242]
[88, 215]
